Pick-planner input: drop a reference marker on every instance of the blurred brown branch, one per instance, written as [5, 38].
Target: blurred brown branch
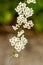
[6, 28]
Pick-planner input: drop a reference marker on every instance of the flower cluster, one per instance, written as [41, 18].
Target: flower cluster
[19, 41]
[28, 24]
[24, 12]
[22, 9]
[21, 19]
[31, 1]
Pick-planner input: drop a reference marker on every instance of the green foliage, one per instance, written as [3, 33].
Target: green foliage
[38, 21]
[7, 6]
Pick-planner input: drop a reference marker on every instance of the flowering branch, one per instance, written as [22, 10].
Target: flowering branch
[24, 12]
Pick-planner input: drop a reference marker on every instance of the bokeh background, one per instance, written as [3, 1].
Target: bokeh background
[33, 53]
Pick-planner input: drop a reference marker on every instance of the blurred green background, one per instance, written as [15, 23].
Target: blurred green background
[7, 12]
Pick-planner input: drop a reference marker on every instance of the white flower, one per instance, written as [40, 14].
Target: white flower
[21, 19]
[28, 24]
[31, 1]
[28, 12]
[14, 40]
[21, 6]
[15, 28]
[20, 33]
[16, 55]
[31, 23]
[18, 46]
[24, 40]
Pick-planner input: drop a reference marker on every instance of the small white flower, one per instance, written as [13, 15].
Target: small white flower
[16, 55]
[20, 33]
[21, 19]
[31, 23]
[18, 46]
[24, 40]
[15, 28]
[31, 1]
[14, 40]
[26, 25]
[21, 6]
[28, 12]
